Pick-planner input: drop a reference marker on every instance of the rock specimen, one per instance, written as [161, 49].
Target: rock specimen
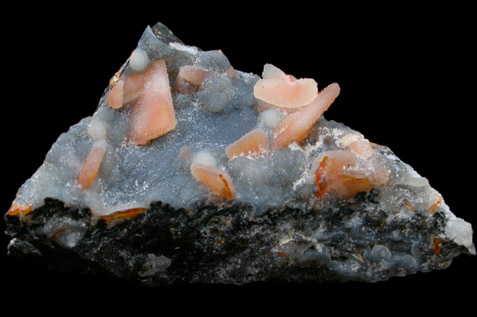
[192, 171]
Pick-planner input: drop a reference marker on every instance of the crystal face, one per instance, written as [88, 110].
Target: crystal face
[195, 155]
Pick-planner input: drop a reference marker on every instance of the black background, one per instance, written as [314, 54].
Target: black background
[408, 80]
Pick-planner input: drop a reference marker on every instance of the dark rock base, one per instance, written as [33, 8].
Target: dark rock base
[346, 242]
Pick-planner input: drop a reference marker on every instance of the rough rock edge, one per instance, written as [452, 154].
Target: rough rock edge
[230, 245]
[198, 245]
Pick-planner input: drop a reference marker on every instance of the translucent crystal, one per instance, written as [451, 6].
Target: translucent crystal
[180, 126]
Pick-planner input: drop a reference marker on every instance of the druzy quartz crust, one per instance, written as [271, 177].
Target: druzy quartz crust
[193, 171]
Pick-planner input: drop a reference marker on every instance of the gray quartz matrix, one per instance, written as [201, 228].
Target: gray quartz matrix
[175, 204]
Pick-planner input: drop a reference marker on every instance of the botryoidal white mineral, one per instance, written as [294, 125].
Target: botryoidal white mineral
[181, 138]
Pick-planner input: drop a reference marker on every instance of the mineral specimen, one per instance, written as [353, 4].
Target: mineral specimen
[192, 171]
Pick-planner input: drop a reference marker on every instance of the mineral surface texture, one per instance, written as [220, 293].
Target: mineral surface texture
[192, 171]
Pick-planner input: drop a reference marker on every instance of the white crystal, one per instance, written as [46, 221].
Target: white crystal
[205, 158]
[184, 48]
[97, 129]
[138, 61]
[460, 232]
[155, 264]
[270, 119]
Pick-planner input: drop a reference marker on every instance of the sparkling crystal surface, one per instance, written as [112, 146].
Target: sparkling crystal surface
[215, 167]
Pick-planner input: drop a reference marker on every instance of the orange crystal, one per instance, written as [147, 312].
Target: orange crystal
[295, 126]
[282, 90]
[123, 215]
[336, 175]
[216, 180]
[152, 114]
[91, 166]
[115, 96]
[251, 144]
[19, 209]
